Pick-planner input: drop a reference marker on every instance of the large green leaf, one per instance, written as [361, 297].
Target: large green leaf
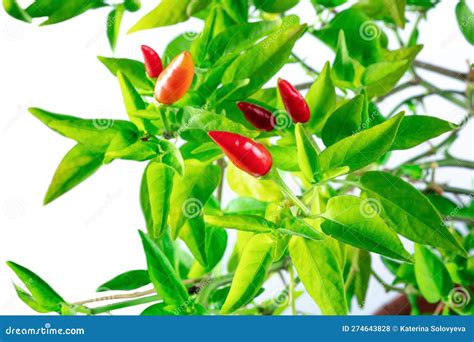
[246, 206]
[77, 165]
[248, 186]
[155, 194]
[432, 277]
[251, 223]
[238, 38]
[347, 72]
[355, 222]
[164, 279]
[126, 281]
[216, 243]
[260, 63]
[345, 121]
[275, 6]
[298, 227]
[132, 100]
[58, 11]
[191, 192]
[42, 294]
[321, 99]
[380, 78]
[243, 237]
[464, 17]
[168, 12]
[308, 154]
[320, 270]
[420, 223]
[113, 25]
[392, 11]
[362, 148]
[257, 257]
[193, 233]
[416, 129]
[134, 70]
[16, 11]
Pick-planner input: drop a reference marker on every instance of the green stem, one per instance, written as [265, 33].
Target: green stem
[446, 95]
[292, 290]
[125, 304]
[449, 162]
[386, 286]
[287, 191]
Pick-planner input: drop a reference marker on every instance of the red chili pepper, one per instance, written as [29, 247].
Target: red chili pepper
[258, 116]
[294, 102]
[153, 65]
[246, 154]
[174, 82]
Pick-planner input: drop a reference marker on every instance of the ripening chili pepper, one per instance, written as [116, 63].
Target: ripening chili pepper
[246, 154]
[294, 102]
[174, 82]
[258, 116]
[153, 65]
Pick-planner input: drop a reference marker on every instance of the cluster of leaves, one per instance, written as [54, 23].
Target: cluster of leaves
[354, 207]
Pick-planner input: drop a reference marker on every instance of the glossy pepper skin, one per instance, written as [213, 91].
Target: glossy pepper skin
[294, 102]
[258, 116]
[246, 154]
[174, 82]
[153, 65]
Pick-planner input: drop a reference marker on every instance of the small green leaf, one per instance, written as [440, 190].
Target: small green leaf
[179, 44]
[155, 194]
[14, 10]
[298, 227]
[251, 223]
[347, 71]
[167, 284]
[59, 11]
[465, 17]
[134, 70]
[284, 157]
[257, 257]
[113, 25]
[275, 6]
[345, 121]
[77, 165]
[243, 237]
[420, 223]
[191, 192]
[322, 88]
[160, 309]
[432, 277]
[308, 156]
[132, 100]
[246, 206]
[391, 11]
[356, 222]
[41, 293]
[171, 156]
[416, 129]
[380, 78]
[193, 233]
[320, 270]
[216, 243]
[126, 281]
[362, 148]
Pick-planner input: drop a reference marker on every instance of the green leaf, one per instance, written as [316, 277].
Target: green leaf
[171, 156]
[113, 25]
[464, 17]
[275, 6]
[263, 60]
[238, 38]
[420, 223]
[140, 151]
[155, 194]
[363, 37]
[246, 206]
[59, 11]
[41, 293]
[26, 298]
[329, 3]
[416, 129]
[132, 100]
[308, 156]
[14, 10]
[391, 11]
[298, 227]
[77, 165]
[320, 271]
[191, 192]
[166, 283]
[347, 71]
[322, 88]
[357, 223]
[284, 157]
[251, 223]
[126, 281]
[248, 186]
[198, 122]
[179, 44]
[97, 134]
[361, 149]
[345, 121]
[160, 309]
[193, 233]
[133, 70]
[216, 243]
[257, 257]
[362, 277]
[243, 237]
[168, 12]
[380, 78]
[432, 277]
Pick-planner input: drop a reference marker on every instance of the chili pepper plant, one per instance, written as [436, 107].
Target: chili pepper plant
[316, 195]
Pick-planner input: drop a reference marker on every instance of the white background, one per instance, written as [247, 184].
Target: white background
[90, 234]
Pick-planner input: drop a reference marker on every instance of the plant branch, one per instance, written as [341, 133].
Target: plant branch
[403, 86]
[441, 70]
[386, 286]
[305, 66]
